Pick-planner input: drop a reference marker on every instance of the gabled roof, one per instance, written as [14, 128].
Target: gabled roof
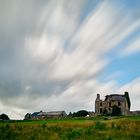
[35, 114]
[41, 113]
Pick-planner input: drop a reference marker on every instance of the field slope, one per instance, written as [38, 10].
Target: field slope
[99, 128]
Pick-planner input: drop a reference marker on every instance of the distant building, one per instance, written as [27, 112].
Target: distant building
[45, 115]
[56, 114]
[106, 106]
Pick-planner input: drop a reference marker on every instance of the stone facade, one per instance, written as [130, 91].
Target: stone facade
[106, 106]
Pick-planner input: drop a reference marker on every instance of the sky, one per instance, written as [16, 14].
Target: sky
[59, 54]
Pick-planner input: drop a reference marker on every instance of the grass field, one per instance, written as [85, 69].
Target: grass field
[99, 128]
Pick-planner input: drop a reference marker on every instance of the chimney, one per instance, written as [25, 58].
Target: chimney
[98, 96]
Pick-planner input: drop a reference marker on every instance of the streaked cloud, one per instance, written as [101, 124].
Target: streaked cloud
[133, 88]
[133, 47]
[53, 53]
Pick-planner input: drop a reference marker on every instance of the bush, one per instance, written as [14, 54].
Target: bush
[81, 113]
[116, 111]
[4, 117]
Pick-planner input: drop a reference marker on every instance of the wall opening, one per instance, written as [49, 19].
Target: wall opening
[101, 111]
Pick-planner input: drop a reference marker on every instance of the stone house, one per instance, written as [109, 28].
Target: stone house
[106, 106]
[35, 116]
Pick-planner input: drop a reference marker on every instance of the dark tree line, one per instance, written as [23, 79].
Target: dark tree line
[80, 113]
[4, 117]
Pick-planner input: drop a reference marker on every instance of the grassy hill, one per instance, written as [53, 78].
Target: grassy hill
[98, 128]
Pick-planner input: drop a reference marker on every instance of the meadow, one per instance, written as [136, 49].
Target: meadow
[98, 128]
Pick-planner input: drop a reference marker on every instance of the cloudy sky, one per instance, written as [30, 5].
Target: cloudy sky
[58, 54]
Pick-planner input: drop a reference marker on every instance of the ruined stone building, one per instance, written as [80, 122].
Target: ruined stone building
[45, 115]
[106, 106]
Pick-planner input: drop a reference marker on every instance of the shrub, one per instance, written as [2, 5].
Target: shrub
[4, 117]
[116, 111]
[81, 113]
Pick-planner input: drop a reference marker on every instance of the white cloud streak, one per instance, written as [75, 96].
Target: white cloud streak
[133, 88]
[132, 48]
[64, 55]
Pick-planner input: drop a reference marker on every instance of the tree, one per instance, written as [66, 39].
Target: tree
[128, 99]
[116, 111]
[4, 117]
[105, 112]
[74, 114]
[70, 114]
[81, 113]
[27, 116]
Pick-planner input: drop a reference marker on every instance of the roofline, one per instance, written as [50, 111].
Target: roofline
[115, 95]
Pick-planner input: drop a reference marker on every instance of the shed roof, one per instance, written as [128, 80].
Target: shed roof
[55, 113]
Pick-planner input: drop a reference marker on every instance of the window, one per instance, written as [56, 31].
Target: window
[119, 103]
[101, 111]
[100, 104]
